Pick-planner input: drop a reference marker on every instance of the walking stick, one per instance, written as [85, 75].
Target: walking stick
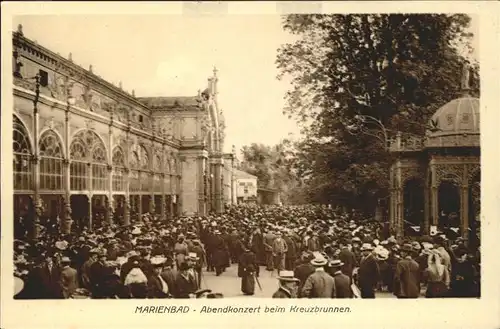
[257, 280]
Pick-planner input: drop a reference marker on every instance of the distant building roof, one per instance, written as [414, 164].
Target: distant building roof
[170, 102]
[242, 174]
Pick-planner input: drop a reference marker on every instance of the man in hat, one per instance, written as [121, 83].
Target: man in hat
[268, 249]
[348, 259]
[303, 270]
[280, 249]
[97, 276]
[288, 285]
[342, 281]
[193, 262]
[43, 280]
[313, 244]
[185, 285]
[407, 276]
[291, 254]
[68, 278]
[368, 272]
[220, 255]
[199, 251]
[319, 284]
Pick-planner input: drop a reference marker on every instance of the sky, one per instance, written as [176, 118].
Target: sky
[173, 55]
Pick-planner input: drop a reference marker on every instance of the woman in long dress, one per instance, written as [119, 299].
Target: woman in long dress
[247, 270]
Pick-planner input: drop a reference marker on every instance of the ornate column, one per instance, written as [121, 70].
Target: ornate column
[89, 196]
[172, 177]
[434, 195]
[202, 189]
[426, 226]
[399, 202]
[464, 209]
[38, 204]
[109, 199]
[163, 198]
[67, 220]
[152, 191]
[90, 188]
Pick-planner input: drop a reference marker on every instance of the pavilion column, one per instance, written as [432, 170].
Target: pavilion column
[399, 201]
[464, 211]
[201, 190]
[126, 205]
[90, 188]
[434, 196]
[38, 204]
[163, 198]
[152, 191]
[67, 220]
[109, 202]
[171, 214]
[426, 225]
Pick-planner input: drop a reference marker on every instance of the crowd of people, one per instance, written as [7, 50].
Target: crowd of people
[316, 251]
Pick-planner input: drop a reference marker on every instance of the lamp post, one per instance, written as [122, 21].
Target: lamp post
[38, 205]
[67, 219]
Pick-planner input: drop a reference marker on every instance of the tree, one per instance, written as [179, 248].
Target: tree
[397, 68]
[273, 166]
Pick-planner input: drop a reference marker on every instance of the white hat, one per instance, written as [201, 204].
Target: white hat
[157, 260]
[135, 276]
[136, 231]
[193, 255]
[287, 276]
[366, 246]
[335, 263]
[65, 260]
[376, 242]
[62, 245]
[319, 261]
[18, 285]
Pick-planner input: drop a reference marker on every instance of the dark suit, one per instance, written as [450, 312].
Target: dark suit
[368, 276]
[291, 254]
[407, 279]
[347, 257]
[44, 283]
[155, 287]
[169, 276]
[68, 281]
[184, 285]
[342, 285]
[302, 272]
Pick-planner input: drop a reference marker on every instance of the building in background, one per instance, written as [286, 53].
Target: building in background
[88, 153]
[245, 186]
[268, 196]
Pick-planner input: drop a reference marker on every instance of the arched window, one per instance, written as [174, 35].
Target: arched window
[118, 169]
[87, 148]
[99, 168]
[157, 167]
[135, 183]
[51, 159]
[22, 153]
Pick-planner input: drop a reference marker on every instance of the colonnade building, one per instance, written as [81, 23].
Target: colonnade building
[87, 153]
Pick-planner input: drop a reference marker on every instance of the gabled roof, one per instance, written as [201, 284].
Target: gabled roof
[243, 174]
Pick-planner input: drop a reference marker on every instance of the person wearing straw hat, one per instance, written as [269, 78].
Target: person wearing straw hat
[407, 276]
[193, 261]
[68, 278]
[342, 281]
[319, 284]
[288, 285]
[180, 250]
[368, 272]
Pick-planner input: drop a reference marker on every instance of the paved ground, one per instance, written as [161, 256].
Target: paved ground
[229, 284]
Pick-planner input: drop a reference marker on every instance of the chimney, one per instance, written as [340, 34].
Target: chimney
[91, 69]
[70, 57]
[120, 85]
[133, 92]
[20, 29]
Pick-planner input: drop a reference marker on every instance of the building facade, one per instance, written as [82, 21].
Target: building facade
[435, 180]
[88, 153]
[245, 186]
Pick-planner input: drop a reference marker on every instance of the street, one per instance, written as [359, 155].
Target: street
[229, 284]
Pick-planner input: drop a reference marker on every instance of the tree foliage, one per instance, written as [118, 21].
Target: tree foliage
[273, 166]
[395, 68]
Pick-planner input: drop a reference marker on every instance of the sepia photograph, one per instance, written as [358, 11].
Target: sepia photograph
[293, 156]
